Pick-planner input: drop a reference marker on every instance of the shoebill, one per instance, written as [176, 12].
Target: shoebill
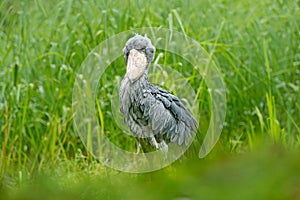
[154, 116]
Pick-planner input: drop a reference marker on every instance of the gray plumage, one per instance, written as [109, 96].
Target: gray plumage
[153, 115]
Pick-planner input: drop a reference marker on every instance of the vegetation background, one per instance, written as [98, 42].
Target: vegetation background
[255, 44]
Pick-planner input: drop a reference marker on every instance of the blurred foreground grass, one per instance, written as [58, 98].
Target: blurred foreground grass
[255, 44]
[270, 172]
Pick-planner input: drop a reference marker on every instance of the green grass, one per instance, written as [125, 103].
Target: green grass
[255, 44]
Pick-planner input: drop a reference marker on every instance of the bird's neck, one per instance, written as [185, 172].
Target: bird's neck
[129, 91]
[143, 81]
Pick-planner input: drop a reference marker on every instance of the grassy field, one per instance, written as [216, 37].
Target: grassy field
[255, 45]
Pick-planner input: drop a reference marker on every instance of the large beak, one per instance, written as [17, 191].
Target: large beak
[136, 65]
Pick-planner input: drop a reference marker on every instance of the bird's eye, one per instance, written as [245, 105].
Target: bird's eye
[150, 50]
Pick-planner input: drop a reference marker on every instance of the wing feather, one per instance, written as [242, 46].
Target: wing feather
[167, 116]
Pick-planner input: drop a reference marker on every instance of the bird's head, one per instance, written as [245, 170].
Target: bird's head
[138, 53]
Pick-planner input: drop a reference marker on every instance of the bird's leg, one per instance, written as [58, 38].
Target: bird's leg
[163, 146]
[138, 147]
[160, 146]
[154, 142]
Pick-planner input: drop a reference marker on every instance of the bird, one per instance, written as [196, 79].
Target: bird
[154, 116]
